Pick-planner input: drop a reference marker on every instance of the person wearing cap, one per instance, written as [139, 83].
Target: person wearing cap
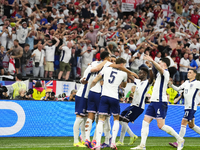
[19, 84]
[22, 32]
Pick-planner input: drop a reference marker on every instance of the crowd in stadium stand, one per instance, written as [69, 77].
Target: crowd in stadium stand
[63, 36]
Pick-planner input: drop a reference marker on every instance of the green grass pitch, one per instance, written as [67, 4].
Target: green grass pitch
[66, 143]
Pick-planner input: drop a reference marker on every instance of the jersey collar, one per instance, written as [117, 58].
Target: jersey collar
[192, 80]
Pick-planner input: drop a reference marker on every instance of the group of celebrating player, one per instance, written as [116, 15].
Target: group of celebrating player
[97, 98]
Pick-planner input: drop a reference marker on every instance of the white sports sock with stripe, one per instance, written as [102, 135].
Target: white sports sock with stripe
[115, 130]
[144, 133]
[196, 129]
[99, 132]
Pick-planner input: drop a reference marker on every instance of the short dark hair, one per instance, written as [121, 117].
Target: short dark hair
[145, 70]
[38, 84]
[166, 61]
[194, 70]
[26, 45]
[19, 76]
[104, 54]
[16, 40]
[120, 61]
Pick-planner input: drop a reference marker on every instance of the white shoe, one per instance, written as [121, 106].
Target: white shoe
[139, 147]
[180, 144]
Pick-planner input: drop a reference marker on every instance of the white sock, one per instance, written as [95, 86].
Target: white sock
[130, 132]
[88, 127]
[83, 129]
[95, 132]
[144, 133]
[77, 123]
[115, 131]
[99, 132]
[123, 131]
[171, 131]
[196, 129]
[106, 130]
[182, 131]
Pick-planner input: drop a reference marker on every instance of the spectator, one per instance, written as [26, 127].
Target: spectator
[172, 94]
[3, 36]
[91, 35]
[64, 60]
[195, 54]
[131, 91]
[25, 58]
[2, 55]
[179, 7]
[137, 60]
[73, 61]
[17, 52]
[194, 44]
[184, 65]
[193, 64]
[14, 91]
[72, 96]
[198, 70]
[87, 57]
[22, 32]
[49, 53]
[39, 61]
[38, 91]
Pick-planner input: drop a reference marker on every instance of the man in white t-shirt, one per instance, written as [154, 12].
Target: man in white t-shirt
[184, 65]
[39, 61]
[87, 57]
[126, 54]
[64, 60]
[194, 45]
[50, 51]
[22, 32]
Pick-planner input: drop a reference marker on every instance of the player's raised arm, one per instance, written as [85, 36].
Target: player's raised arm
[157, 66]
[150, 72]
[99, 67]
[117, 66]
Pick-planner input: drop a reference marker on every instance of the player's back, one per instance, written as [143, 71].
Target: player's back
[160, 87]
[112, 79]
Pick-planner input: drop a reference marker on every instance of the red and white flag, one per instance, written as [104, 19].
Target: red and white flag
[167, 10]
[11, 66]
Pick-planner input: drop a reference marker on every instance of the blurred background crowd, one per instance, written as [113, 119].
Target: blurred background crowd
[57, 39]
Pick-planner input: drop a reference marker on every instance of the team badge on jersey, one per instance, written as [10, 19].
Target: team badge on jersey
[191, 85]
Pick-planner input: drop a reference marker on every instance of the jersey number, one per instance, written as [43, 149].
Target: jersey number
[158, 111]
[186, 113]
[112, 77]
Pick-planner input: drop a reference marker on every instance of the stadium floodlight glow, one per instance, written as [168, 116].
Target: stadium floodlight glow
[20, 121]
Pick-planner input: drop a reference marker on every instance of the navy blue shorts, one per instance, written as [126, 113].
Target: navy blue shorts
[189, 114]
[93, 102]
[157, 110]
[131, 113]
[80, 106]
[108, 104]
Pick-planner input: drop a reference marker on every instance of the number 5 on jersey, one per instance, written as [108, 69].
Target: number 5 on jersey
[112, 77]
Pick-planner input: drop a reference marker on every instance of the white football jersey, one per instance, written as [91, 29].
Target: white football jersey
[97, 87]
[191, 90]
[142, 87]
[112, 79]
[160, 87]
[82, 90]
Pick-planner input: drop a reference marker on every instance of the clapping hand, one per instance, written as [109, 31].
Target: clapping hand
[148, 58]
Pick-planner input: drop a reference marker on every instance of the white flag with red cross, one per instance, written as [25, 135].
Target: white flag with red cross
[167, 10]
